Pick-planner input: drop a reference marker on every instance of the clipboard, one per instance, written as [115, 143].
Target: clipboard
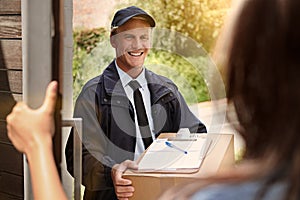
[160, 158]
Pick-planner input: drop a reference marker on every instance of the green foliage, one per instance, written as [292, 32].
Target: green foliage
[187, 76]
[84, 41]
[200, 20]
[88, 39]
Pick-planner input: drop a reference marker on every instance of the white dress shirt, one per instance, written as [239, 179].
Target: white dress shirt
[141, 79]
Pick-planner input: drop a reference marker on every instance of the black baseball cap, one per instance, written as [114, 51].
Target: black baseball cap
[125, 14]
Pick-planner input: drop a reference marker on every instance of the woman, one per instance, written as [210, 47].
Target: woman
[263, 70]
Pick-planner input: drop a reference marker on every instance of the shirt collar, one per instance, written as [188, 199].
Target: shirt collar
[125, 78]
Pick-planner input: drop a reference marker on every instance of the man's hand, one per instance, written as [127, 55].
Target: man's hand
[123, 187]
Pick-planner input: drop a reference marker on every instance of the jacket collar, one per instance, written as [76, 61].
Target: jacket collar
[111, 81]
[158, 86]
[112, 84]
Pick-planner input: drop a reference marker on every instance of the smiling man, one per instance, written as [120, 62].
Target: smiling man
[125, 109]
[132, 43]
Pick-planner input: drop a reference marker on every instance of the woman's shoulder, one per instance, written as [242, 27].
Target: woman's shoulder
[247, 190]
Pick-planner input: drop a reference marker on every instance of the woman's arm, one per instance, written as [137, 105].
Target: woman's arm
[31, 133]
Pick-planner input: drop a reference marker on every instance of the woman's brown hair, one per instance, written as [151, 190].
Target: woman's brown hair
[263, 84]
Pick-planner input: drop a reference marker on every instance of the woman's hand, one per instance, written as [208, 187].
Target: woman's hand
[28, 128]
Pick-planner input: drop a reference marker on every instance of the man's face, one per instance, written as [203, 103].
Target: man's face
[132, 44]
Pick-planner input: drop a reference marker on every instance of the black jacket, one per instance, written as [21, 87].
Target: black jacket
[108, 122]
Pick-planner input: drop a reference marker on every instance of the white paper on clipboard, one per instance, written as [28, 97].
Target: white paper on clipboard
[160, 157]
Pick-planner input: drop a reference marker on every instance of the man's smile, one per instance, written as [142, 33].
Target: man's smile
[136, 54]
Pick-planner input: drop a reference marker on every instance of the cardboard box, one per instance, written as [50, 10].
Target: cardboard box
[150, 185]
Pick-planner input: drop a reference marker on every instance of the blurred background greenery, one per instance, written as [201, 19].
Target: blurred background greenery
[181, 53]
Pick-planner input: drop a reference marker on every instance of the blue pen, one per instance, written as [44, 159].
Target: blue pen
[175, 147]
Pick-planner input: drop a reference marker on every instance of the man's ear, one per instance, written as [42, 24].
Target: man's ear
[113, 41]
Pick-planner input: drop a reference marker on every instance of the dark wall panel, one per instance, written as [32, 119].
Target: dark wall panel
[11, 171]
[11, 160]
[9, 185]
[3, 132]
[9, 197]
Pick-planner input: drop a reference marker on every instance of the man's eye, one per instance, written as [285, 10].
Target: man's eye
[129, 37]
[145, 37]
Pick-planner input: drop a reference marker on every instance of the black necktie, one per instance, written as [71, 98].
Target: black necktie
[141, 113]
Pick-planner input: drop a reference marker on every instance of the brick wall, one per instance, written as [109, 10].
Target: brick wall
[94, 13]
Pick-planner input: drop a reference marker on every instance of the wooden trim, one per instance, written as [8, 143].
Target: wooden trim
[10, 7]
[57, 74]
[11, 57]
[11, 81]
[11, 27]
[11, 167]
